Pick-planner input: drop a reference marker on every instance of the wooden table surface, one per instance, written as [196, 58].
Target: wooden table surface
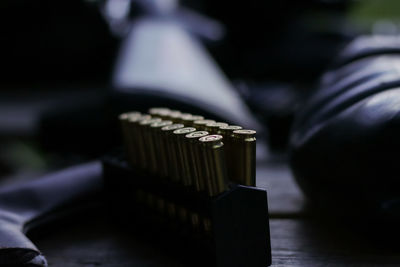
[299, 236]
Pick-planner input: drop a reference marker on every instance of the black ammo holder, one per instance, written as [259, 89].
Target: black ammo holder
[239, 218]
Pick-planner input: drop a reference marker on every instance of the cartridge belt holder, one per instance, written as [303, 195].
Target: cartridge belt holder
[240, 224]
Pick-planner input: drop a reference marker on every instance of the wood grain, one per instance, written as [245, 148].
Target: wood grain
[298, 237]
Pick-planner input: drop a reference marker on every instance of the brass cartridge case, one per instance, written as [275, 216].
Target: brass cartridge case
[230, 153]
[195, 221]
[179, 163]
[158, 111]
[200, 125]
[214, 156]
[123, 118]
[175, 116]
[196, 179]
[164, 114]
[148, 147]
[192, 152]
[227, 131]
[188, 120]
[140, 196]
[213, 127]
[182, 118]
[183, 214]
[244, 146]
[171, 209]
[127, 135]
[137, 146]
[151, 200]
[161, 205]
[160, 149]
[182, 162]
[167, 140]
[207, 226]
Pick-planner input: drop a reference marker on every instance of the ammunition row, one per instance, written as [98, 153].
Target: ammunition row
[173, 145]
[183, 148]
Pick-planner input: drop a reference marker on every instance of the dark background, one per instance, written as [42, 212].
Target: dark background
[58, 59]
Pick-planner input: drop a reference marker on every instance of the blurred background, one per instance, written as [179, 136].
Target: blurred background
[61, 84]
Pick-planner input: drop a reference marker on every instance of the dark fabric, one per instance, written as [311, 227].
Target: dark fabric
[30, 204]
[345, 142]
